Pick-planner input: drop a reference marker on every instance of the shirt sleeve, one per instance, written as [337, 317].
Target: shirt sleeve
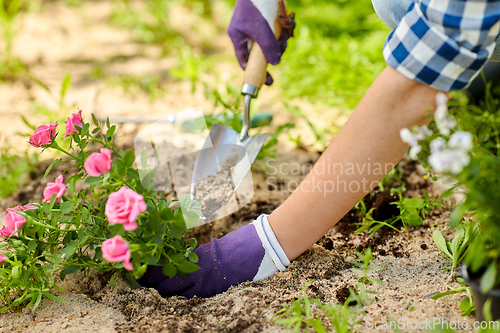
[444, 43]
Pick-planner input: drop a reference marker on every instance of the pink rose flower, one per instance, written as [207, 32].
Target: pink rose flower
[123, 207]
[98, 163]
[57, 187]
[26, 207]
[4, 232]
[75, 119]
[116, 250]
[12, 222]
[43, 135]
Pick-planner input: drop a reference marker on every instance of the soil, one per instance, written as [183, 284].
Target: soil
[412, 268]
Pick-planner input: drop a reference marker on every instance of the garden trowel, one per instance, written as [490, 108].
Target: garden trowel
[225, 149]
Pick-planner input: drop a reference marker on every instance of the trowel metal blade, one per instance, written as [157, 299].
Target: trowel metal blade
[223, 151]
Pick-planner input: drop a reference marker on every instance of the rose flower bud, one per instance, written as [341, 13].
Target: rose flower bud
[75, 119]
[98, 163]
[116, 250]
[123, 207]
[12, 222]
[58, 187]
[43, 135]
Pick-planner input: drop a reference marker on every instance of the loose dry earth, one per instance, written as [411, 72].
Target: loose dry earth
[57, 40]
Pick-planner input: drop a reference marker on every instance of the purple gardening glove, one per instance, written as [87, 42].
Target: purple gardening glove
[254, 19]
[250, 253]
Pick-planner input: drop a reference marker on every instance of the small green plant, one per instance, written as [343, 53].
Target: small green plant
[364, 267]
[413, 211]
[456, 249]
[309, 313]
[467, 304]
[306, 313]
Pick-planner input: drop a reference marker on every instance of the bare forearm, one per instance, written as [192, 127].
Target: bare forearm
[365, 150]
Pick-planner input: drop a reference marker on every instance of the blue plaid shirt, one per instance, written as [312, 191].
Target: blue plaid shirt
[444, 43]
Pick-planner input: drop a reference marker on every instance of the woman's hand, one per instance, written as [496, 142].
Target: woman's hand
[250, 253]
[254, 20]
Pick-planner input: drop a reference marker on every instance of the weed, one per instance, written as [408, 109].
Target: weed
[306, 313]
[413, 211]
[456, 249]
[364, 267]
[466, 305]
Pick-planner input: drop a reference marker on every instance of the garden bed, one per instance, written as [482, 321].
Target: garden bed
[412, 272]
[84, 43]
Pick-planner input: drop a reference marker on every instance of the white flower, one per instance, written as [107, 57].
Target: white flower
[439, 161]
[408, 137]
[413, 137]
[444, 122]
[414, 151]
[437, 145]
[461, 140]
[452, 160]
[423, 132]
[442, 100]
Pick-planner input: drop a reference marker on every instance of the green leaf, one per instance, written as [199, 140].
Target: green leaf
[68, 251]
[71, 269]
[466, 306]
[65, 86]
[489, 277]
[48, 169]
[129, 158]
[54, 297]
[187, 267]
[110, 131]
[67, 207]
[144, 159]
[15, 272]
[193, 257]
[153, 219]
[191, 219]
[31, 246]
[37, 303]
[487, 310]
[456, 215]
[167, 214]
[192, 243]
[449, 292]
[317, 325]
[169, 270]
[440, 242]
[119, 167]
[93, 180]
[412, 217]
[94, 120]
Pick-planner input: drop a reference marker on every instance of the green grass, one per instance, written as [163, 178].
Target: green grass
[14, 171]
[336, 53]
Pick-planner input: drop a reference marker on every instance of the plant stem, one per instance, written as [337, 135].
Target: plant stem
[50, 227]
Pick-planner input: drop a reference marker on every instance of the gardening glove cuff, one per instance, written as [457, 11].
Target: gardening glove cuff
[248, 254]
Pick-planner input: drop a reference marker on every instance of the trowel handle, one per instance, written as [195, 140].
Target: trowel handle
[255, 76]
[256, 69]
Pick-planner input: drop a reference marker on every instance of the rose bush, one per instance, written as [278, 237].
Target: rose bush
[104, 216]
